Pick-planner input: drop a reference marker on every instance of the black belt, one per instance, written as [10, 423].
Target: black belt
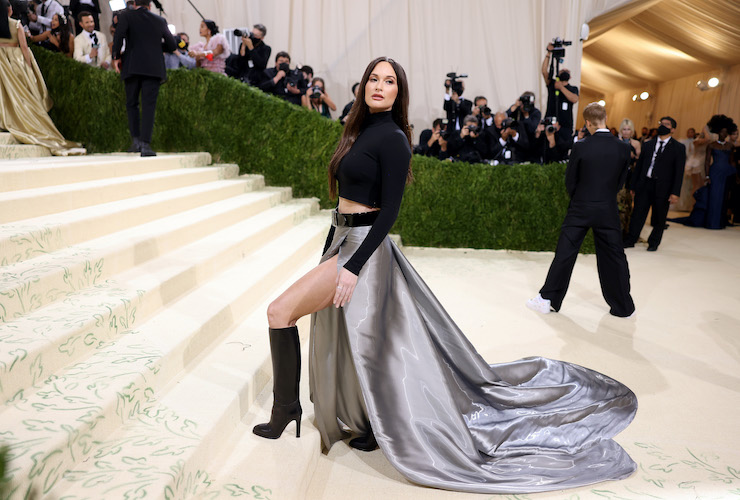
[353, 220]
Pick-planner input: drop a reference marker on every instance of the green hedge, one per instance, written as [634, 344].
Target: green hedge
[517, 207]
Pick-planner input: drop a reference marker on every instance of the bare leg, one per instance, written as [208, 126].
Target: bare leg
[697, 182]
[313, 292]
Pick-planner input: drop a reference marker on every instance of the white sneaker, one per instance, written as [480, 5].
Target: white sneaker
[540, 305]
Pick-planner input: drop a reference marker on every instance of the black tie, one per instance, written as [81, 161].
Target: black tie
[655, 160]
[95, 42]
[43, 10]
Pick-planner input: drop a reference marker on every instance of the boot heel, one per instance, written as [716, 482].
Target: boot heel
[298, 426]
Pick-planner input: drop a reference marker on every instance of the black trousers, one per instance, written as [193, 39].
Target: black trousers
[148, 88]
[611, 263]
[646, 198]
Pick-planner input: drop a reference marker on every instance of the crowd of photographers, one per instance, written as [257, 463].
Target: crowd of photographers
[473, 133]
[470, 131]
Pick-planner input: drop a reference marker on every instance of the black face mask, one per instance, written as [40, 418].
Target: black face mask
[564, 76]
[663, 130]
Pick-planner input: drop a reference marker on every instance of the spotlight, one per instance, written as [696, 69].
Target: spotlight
[644, 96]
[602, 102]
[713, 82]
[634, 97]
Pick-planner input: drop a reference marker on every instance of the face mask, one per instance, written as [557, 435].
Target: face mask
[663, 130]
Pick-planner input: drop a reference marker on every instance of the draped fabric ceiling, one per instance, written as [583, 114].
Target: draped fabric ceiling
[665, 47]
[634, 44]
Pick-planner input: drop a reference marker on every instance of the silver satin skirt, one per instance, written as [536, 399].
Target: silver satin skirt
[393, 359]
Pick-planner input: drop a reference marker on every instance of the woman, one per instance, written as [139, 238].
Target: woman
[317, 99]
[624, 197]
[212, 54]
[390, 365]
[58, 38]
[24, 100]
[720, 171]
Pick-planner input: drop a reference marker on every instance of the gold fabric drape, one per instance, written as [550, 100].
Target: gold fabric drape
[24, 100]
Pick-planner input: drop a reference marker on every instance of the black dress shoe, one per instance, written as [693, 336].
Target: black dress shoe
[135, 146]
[146, 150]
[627, 244]
[365, 443]
[652, 248]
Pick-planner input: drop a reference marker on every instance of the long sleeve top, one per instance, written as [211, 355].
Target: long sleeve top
[373, 172]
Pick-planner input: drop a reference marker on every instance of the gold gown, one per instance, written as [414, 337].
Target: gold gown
[25, 102]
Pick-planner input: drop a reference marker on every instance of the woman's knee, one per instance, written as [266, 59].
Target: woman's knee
[277, 315]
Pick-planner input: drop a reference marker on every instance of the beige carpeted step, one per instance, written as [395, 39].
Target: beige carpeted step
[14, 151]
[27, 203]
[20, 174]
[7, 139]
[103, 425]
[57, 335]
[37, 236]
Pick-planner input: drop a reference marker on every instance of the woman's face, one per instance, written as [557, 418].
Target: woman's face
[723, 134]
[626, 132]
[55, 21]
[734, 136]
[204, 31]
[381, 88]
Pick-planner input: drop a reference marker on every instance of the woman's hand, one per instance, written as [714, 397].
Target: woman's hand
[346, 282]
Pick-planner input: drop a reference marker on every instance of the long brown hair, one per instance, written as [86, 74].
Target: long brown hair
[359, 111]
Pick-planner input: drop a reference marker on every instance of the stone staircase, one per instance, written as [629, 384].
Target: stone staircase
[134, 355]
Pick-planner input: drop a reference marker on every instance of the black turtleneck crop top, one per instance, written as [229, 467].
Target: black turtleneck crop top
[373, 172]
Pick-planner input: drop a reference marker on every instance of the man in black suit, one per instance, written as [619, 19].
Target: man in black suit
[595, 174]
[142, 69]
[455, 105]
[656, 182]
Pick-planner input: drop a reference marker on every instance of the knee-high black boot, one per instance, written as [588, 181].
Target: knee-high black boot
[285, 347]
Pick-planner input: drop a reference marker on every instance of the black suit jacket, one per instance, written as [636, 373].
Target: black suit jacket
[76, 7]
[147, 38]
[667, 171]
[597, 169]
[457, 111]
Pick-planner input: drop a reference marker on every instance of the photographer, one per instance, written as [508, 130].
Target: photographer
[348, 107]
[456, 107]
[551, 145]
[507, 140]
[429, 144]
[284, 82]
[561, 96]
[250, 63]
[468, 145]
[482, 112]
[180, 58]
[40, 20]
[317, 99]
[524, 113]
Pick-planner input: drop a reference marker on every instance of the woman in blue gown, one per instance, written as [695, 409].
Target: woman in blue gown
[719, 167]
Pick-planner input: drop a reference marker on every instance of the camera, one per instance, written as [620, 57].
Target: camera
[181, 44]
[527, 102]
[316, 91]
[485, 110]
[549, 122]
[284, 67]
[473, 129]
[509, 123]
[238, 32]
[558, 50]
[455, 83]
